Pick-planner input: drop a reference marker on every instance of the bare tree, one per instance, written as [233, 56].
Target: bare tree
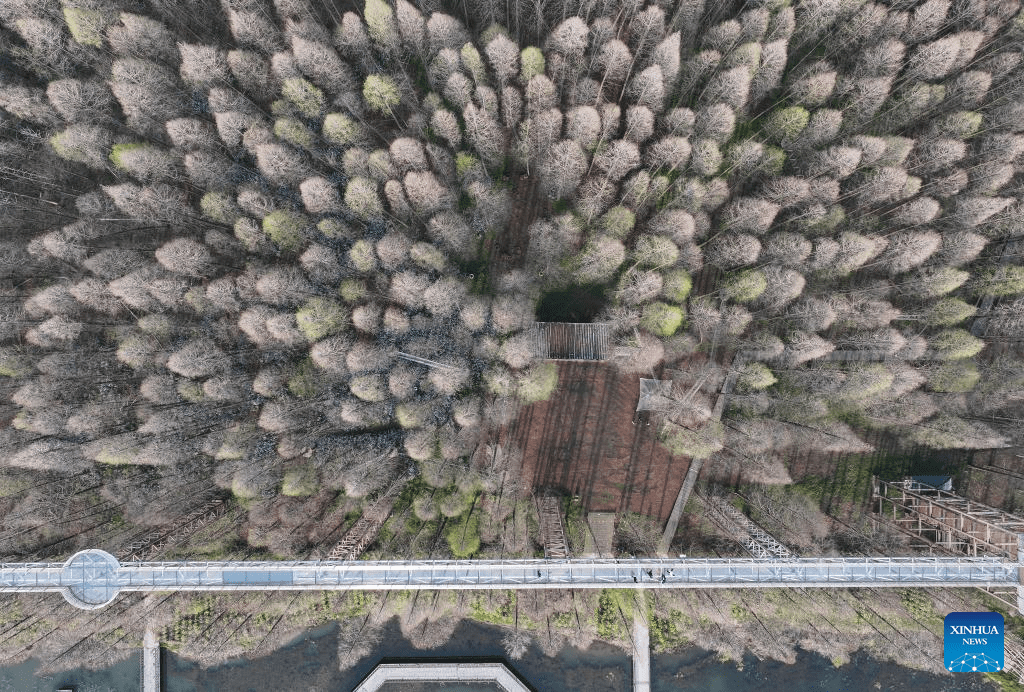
[426, 194]
[562, 168]
[617, 159]
[729, 250]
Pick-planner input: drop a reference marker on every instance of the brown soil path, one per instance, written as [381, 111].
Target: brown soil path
[507, 249]
[587, 439]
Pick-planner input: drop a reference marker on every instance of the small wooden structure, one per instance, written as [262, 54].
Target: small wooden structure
[149, 546]
[366, 528]
[573, 340]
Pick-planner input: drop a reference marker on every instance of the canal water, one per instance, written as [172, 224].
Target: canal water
[310, 664]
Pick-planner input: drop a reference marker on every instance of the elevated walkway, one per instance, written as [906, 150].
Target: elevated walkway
[92, 578]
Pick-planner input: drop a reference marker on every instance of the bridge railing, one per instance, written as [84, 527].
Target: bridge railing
[97, 582]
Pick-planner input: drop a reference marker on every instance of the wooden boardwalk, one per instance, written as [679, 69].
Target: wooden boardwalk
[552, 531]
[600, 534]
[150, 662]
[641, 654]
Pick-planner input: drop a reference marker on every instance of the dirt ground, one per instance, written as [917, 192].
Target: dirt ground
[588, 440]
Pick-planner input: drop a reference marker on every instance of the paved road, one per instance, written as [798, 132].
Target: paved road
[92, 578]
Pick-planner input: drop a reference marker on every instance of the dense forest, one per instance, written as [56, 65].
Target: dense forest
[291, 253]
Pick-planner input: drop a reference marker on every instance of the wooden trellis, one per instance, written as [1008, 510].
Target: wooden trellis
[946, 520]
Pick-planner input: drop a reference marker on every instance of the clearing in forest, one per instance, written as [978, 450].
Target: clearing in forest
[587, 439]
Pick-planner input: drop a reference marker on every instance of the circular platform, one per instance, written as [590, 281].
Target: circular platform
[91, 578]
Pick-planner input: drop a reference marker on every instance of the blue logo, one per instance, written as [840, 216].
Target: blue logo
[973, 642]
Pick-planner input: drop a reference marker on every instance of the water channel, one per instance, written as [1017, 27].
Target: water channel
[310, 663]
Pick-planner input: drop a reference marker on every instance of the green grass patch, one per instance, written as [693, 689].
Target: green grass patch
[495, 608]
[464, 537]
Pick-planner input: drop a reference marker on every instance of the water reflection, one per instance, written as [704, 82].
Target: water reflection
[310, 663]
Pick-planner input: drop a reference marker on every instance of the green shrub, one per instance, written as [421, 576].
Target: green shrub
[306, 98]
[474, 63]
[744, 286]
[598, 261]
[14, 364]
[115, 451]
[676, 285]
[699, 443]
[538, 383]
[341, 130]
[609, 616]
[617, 222]
[362, 256]
[947, 312]
[334, 228]
[655, 251]
[285, 228]
[1004, 280]
[236, 443]
[320, 317]
[959, 124]
[293, 131]
[190, 390]
[300, 482]
[668, 633]
[412, 414]
[661, 319]
[86, 26]
[464, 163]
[755, 376]
[119, 150]
[219, 207]
[88, 144]
[362, 198]
[369, 388]
[955, 376]
[786, 124]
[307, 382]
[954, 344]
[380, 22]
[352, 290]
[428, 257]
[503, 614]
[381, 93]
[532, 63]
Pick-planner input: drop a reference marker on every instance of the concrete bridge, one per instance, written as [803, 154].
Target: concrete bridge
[92, 578]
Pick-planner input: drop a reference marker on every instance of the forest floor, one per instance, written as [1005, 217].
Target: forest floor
[588, 439]
[506, 250]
